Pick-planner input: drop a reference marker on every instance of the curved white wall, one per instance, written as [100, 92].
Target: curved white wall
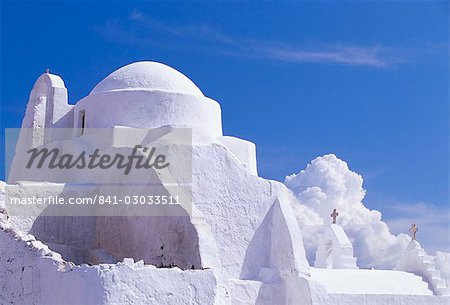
[150, 109]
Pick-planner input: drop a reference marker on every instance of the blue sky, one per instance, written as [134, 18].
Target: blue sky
[367, 81]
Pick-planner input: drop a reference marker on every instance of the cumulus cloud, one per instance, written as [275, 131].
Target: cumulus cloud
[328, 183]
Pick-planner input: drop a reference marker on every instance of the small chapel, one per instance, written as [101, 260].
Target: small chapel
[235, 241]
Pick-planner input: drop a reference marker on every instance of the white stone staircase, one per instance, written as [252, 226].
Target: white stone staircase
[417, 261]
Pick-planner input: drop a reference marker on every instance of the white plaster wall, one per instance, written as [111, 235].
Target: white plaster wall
[244, 151]
[32, 274]
[369, 287]
[137, 284]
[184, 241]
[170, 142]
[150, 109]
[244, 292]
[232, 201]
[348, 299]
[348, 281]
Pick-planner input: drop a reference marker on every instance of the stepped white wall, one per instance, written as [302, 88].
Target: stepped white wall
[416, 260]
[32, 274]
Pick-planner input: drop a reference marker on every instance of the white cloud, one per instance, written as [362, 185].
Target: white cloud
[349, 55]
[328, 183]
[142, 30]
[433, 222]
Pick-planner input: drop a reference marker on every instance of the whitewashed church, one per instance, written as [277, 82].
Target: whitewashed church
[240, 242]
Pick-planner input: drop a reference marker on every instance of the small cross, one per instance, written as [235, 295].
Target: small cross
[47, 70]
[334, 215]
[413, 230]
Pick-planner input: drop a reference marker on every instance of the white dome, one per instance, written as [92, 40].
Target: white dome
[147, 75]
